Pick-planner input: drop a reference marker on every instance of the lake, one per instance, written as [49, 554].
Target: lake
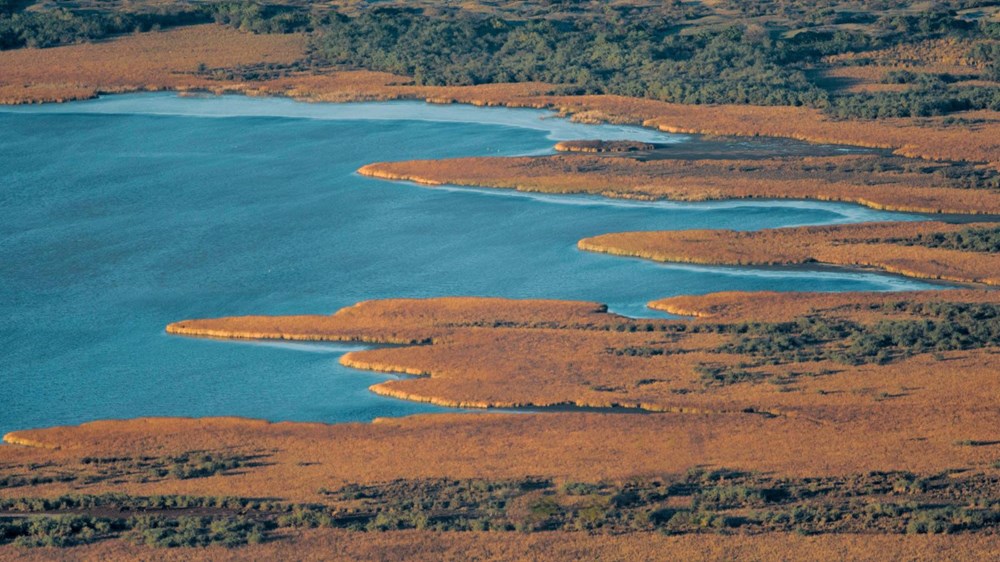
[122, 214]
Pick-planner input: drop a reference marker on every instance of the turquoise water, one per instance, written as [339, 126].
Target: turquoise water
[120, 215]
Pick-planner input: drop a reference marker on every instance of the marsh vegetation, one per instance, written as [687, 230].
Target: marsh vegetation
[703, 500]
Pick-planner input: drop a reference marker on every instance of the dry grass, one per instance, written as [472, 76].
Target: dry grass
[304, 458]
[733, 306]
[859, 79]
[824, 418]
[398, 321]
[362, 85]
[860, 245]
[489, 353]
[146, 61]
[170, 60]
[936, 56]
[436, 546]
[931, 53]
[700, 180]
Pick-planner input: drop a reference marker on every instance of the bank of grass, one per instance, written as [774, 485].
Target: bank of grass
[928, 250]
[576, 355]
[144, 468]
[181, 58]
[882, 183]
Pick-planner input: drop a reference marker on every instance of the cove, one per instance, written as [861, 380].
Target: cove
[122, 214]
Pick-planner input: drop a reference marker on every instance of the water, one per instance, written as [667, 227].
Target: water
[120, 215]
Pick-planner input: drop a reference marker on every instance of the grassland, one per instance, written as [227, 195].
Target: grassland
[840, 178]
[901, 248]
[930, 138]
[498, 353]
[167, 60]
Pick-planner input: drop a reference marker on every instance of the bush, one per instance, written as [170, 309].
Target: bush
[197, 531]
[60, 26]
[631, 56]
[986, 240]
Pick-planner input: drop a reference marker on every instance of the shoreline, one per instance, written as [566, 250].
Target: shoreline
[438, 376]
[37, 76]
[672, 181]
[553, 103]
[864, 245]
[832, 268]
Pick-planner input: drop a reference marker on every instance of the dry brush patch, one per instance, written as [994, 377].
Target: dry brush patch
[318, 544]
[310, 463]
[306, 460]
[145, 61]
[894, 247]
[216, 59]
[950, 53]
[771, 306]
[853, 179]
[867, 71]
[837, 358]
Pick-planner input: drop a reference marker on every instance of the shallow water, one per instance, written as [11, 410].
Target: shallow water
[120, 215]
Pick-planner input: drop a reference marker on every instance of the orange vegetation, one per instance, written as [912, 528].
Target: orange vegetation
[938, 406]
[873, 78]
[437, 546]
[798, 417]
[907, 137]
[936, 56]
[822, 178]
[734, 306]
[917, 414]
[948, 52]
[397, 321]
[603, 146]
[857, 79]
[858, 245]
[168, 60]
[145, 61]
[491, 353]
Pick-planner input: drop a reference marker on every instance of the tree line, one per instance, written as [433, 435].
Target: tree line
[49, 28]
[644, 55]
